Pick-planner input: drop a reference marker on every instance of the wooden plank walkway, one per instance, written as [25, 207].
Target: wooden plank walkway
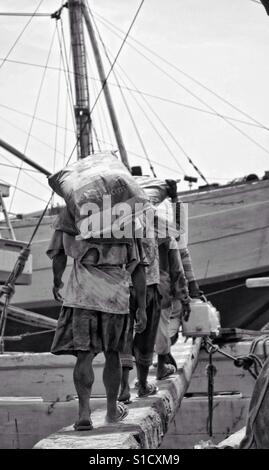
[234, 440]
[148, 419]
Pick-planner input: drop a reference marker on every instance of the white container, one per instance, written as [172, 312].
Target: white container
[204, 320]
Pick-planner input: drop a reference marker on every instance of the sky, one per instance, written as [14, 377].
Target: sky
[222, 44]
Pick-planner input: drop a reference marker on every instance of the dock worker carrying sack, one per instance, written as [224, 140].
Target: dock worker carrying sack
[170, 215]
[101, 195]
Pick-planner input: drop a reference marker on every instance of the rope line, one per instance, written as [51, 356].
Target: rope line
[67, 62]
[23, 113]
[23, 191]
[170, 134]
[252, 123]
[20, 35]
[194, 95]
[189, 76]
[123, 97]
[33, 116]
[7, 13]
[67, 75]
[33, 137]
[163, 140]
[118, 53]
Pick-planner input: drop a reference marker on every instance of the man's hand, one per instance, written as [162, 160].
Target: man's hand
[171, 188]
[56, 292]
[194, 290]
[141, 320]
[8, 290]
[186, 310]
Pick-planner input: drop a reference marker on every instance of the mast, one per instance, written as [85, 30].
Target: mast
[102, 75]
[82, 106]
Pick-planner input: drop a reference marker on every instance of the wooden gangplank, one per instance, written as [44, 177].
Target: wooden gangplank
[148, 419]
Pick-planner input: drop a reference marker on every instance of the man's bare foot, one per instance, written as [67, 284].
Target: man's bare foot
[121, 413]
[83, 425]
[147, 390]
[165, 371]
[125, 395]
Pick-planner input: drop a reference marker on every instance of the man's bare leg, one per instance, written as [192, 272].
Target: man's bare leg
[142, 374]
[83, 379]
[112, 380]
[125, 394]
[144, 387]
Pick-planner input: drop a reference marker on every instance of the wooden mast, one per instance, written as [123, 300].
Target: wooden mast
[102, 75]
[82, 106]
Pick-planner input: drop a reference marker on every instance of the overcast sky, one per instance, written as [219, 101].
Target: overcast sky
[224, 44]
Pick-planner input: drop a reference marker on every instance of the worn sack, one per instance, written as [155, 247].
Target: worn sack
[100, 181]
[156, 189]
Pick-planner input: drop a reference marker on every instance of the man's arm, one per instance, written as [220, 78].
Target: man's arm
[179, 288]
[59, 262]
[194, 290]
[57, 254]
[188, 270]
[139, 284]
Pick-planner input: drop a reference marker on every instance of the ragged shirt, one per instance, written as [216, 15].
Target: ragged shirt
[101, 273]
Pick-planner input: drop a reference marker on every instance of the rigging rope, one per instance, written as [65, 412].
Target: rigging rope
[25, 170]
[254, 123]
[144, 158]
[57, 116]
[20, 35]
[66, 64]
[226, 289]
[33, 116]
[123, 96]
[45, 121]
[151, 123]
[118, 53]
[66, 116]
[169, 132]
[67, 77]
[33, 137]
[23, 191]
[176, 141]
[99, 117]
[17, 167]
[189, 76]
[96, 138]
[194, 95]
[194, 108]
